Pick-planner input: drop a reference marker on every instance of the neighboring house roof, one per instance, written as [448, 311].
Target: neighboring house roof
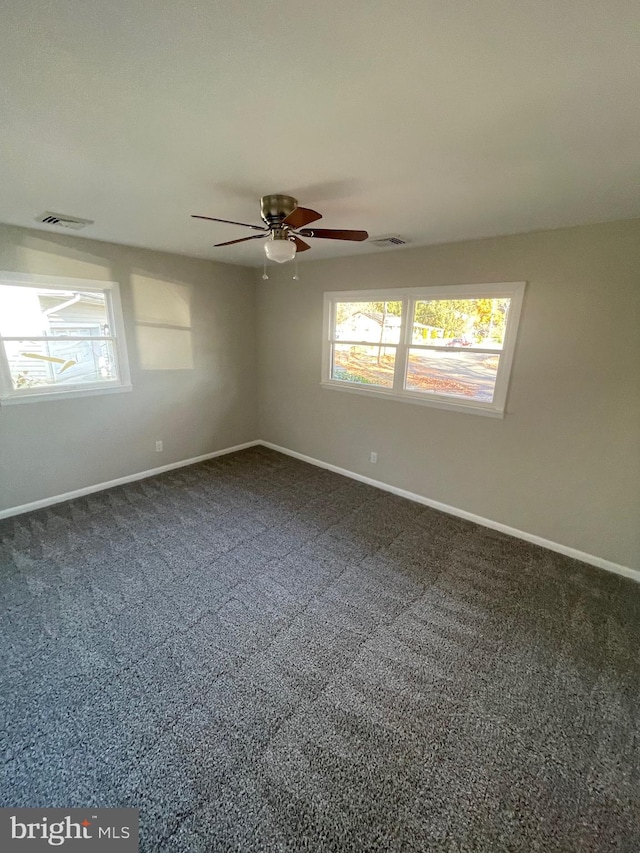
[377, 316]
[367, 326]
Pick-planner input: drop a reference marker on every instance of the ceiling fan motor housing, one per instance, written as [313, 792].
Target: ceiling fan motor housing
[275, 208]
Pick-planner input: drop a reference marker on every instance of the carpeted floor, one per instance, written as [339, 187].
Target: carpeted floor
[265, 656]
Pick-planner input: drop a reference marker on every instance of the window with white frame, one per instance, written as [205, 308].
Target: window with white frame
[449, 347]
[60, 337]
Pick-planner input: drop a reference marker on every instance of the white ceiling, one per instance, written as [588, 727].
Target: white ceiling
[437, 121]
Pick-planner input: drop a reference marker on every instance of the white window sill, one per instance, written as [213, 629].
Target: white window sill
[47, 396]
[435, 402]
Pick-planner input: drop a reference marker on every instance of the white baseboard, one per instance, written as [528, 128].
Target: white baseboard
[130, 478]
[592, 560]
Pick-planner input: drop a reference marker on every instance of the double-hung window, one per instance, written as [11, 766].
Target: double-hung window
[449, 347]
[60, 337]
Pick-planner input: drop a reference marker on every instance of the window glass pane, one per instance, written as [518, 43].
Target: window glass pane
[59, 362]
[372, 322]
[470, 375]
[460, 322]
[364, 365]
[40, 311]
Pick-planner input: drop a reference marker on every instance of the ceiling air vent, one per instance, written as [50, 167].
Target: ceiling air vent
[385, 242]
[64, 221]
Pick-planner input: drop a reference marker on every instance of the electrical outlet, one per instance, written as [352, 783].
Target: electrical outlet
[158, 447]
[373, 457]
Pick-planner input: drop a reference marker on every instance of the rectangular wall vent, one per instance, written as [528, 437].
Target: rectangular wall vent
[383, 242]
[62, 220]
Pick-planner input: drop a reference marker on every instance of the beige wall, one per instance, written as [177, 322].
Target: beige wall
[193, 386]
[564, 464]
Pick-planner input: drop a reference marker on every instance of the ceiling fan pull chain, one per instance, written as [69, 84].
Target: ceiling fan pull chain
[265, 277]
[296, 277]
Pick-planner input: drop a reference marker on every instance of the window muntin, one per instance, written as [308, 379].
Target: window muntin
[448, 347]
[59, 337]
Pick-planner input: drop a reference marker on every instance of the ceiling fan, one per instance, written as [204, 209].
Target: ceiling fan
[285, 226]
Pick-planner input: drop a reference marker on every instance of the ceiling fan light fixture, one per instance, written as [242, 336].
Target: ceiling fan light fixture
[280, 250]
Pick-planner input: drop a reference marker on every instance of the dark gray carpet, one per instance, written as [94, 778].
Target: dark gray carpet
[262, 655]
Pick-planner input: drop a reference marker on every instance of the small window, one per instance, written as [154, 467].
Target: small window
[446, 347]
[60, 337]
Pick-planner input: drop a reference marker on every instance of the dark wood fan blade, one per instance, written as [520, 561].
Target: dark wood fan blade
[301, 245]
[302, 216]
[241, 240]
[230, 222]
[333, 234]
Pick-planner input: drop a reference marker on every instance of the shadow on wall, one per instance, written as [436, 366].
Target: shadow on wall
[161, 309]
[162, 316]
[43, 253]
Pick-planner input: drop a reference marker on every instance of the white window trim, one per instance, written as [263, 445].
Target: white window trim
[10, 396]
[409, 295]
